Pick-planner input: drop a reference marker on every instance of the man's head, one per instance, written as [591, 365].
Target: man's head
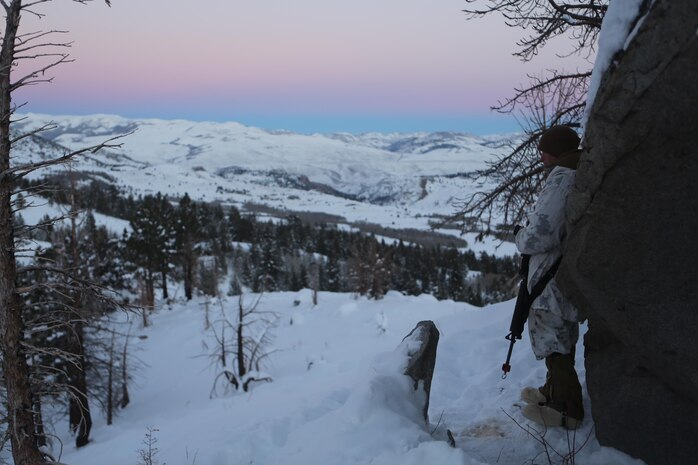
[556, 142]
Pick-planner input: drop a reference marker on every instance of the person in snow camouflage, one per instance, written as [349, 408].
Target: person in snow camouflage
[553, 320]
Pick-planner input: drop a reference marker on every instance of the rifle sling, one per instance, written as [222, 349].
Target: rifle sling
[523, 305]
[544, 280]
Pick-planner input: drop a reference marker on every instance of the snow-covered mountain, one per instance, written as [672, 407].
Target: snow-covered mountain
[397, 180]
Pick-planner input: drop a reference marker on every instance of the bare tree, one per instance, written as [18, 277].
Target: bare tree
[63, 308]
[517, 176]
[545, 20]
[555, 98]
[314, 279]
[21, 48]
[149, 451]
[110, 371]
[242, 354]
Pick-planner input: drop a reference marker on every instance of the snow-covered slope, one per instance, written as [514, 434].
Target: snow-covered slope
[216, 146]
[398, 180]
[337, 397]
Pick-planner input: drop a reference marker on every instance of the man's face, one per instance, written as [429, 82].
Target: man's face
[547, 159]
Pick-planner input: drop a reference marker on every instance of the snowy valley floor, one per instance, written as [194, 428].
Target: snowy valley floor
[335, 398]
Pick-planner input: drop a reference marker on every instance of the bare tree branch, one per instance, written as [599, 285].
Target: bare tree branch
[33, 77]
[23, 170]
[45, 127]
[557, 98]
[546, 19]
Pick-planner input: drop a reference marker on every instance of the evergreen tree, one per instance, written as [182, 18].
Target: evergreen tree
[152, 241]
[269, 269]
[456, 276]
[242, 229]
[333, 273]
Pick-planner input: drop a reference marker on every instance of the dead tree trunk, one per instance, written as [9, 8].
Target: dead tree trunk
[15, 367]
[188, 264]
[125, 399]
[79, 406]
[422, 342]
[39, 421]
[242, 368]
[110, 382]
[165, 296]
[150, 289]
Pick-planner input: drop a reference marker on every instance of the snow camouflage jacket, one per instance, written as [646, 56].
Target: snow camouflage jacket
[543, 239]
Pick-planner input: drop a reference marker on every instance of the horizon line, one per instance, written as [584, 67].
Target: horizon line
[479, 125]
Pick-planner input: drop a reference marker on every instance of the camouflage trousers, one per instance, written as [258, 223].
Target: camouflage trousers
[550, 333]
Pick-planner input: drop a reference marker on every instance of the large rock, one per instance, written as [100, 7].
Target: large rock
[631, 262]
[420, 346]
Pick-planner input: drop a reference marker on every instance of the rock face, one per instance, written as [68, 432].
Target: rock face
[421, 352]
[631, 262]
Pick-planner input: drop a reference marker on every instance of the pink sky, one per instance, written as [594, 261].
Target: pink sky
[393, 64]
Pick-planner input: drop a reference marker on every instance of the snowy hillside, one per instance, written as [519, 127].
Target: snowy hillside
[337, 396]
[396, 180]
[217, 146]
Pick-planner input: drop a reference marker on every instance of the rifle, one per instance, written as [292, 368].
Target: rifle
[524, 300]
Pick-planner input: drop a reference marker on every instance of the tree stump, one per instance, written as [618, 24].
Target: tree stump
[420, 346]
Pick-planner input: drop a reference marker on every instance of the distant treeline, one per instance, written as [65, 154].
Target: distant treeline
[202, 243]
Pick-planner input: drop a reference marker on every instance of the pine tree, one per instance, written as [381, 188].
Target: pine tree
[333, 273]
[456, 276]
[152, 242]
[242, 229]
[270, 264]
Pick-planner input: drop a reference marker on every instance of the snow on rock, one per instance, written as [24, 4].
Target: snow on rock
[614, 36]
[420, 351]
[381, 400]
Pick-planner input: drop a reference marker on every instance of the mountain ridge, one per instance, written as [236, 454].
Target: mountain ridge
[395, 179]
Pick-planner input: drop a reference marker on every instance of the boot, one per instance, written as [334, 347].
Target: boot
[563, 394]
[533, 396]
[539, 395]
[548, 416]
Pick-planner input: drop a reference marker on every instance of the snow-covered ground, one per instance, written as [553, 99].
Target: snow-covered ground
[393, 180]
[37, 208]
[337, 396]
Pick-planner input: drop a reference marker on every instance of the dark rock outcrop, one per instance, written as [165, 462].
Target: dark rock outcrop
[421, 345]
[631, 262]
